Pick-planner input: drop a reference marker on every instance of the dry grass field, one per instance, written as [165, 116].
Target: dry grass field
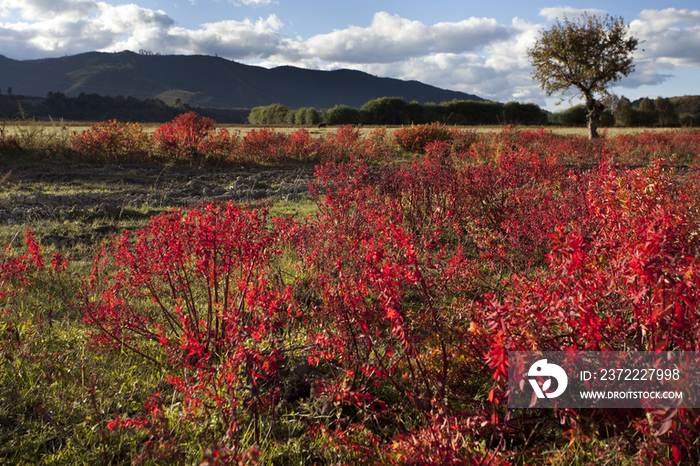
[64, 127]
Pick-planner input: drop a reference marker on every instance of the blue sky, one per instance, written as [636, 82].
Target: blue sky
[475, 47]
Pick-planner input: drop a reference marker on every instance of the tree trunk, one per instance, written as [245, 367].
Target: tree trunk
[595, 108]
[592, 126]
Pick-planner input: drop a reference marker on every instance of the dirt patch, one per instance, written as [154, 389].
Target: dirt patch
[113, 191]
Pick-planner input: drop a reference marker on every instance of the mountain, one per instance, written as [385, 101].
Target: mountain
[211, 81]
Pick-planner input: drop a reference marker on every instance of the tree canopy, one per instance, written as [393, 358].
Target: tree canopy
[588, 54]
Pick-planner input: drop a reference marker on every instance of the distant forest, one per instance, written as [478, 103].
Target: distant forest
[619, 111]
[94, 107]
[662, 112]
[396, 111]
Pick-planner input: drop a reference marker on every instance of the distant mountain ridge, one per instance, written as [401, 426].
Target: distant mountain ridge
[215, 81]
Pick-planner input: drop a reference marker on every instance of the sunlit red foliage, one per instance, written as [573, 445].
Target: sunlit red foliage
[415, 138]
[265, 146]
[191, 138]
[198, 287]
[111, 141]
[407, 288]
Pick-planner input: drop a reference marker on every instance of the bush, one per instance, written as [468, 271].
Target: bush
[191, 139]
[265, 146]
[415, 138]
[625, 282]
[689, 119]
[515, 113]
[385, 111]
[342, 146]
[194, 293]
[301, 147]
[111, 141]
[383, 321]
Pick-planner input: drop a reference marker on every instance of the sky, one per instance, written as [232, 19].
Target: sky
[476, 47]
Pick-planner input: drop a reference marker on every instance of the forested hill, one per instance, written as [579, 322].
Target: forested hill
[207, 81]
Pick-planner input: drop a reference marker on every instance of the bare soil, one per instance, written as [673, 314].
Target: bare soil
[55, 191]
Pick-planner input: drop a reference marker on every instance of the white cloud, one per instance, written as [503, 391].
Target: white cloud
[658, 20]
[558, 12]
[73, 26]
[33, 10]
[669, 36]
[390, 38]
[235, 39]
[498, 71]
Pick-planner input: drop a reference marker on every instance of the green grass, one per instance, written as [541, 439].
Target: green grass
[297, 209]
[56, 393]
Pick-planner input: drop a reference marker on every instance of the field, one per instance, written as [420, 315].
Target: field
[189, 294]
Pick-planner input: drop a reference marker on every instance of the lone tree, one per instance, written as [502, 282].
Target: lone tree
[588, 54]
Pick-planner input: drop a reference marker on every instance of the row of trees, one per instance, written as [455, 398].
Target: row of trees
[659, 112]
[617, 111]
[396, 111]
[277, 114]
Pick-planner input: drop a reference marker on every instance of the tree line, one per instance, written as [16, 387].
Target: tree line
[618, 111]
[396, 111]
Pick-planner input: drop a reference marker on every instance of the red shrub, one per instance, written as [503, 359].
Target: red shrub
[193, 287]
[301, 146]
[462, 140]
[415, 138]
[111, 141]
[377, 147]
[383, 312]
[631, 283]
[191, 138]
[196, 288]
[413, 282]
[438, 150]
[683, 146]
[265, 146]
[342, 146]
[34, 250]
[15, 270]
